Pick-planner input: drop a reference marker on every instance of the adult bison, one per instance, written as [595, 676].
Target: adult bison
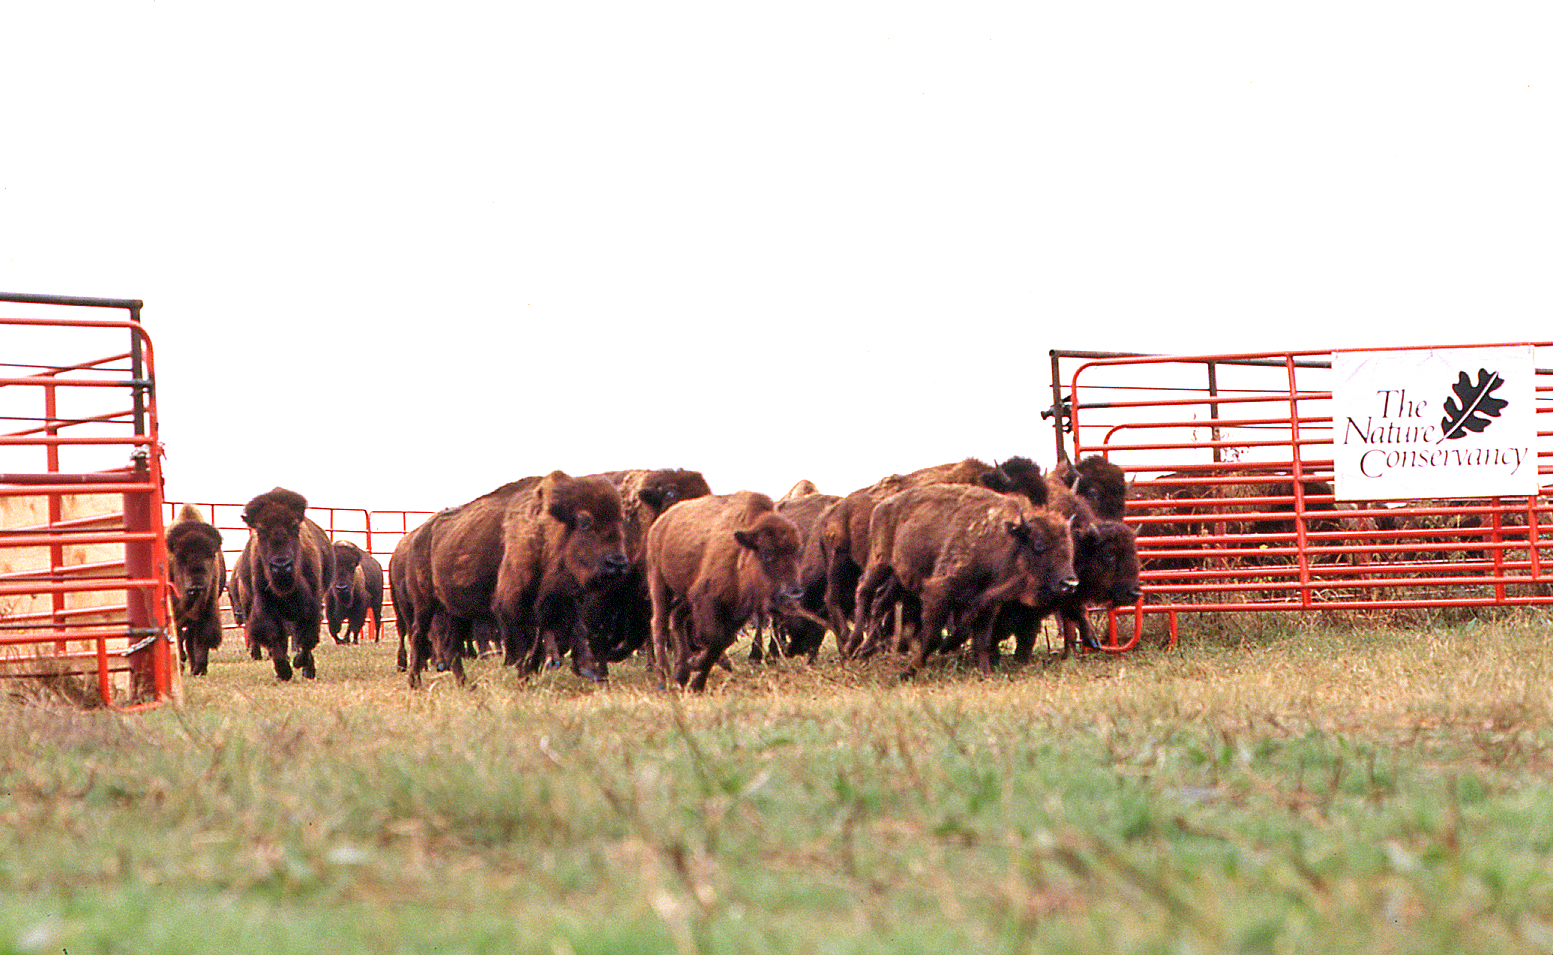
[1098, 481]
[959, 552]
[844, 527]
[409, 581]
[287, 566]
[357, 589]
[1105, 561]
[526, 554]
[237, 596]
[619, 617]
[712, 563]
[199, 576]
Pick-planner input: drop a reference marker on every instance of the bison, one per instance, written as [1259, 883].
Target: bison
[199, 576]
[288, 563]
[1098, 481]
[238, 598]
[619, 617]
[526, 554]
[409, 580]
[358, 588]
[844, 528]
[802, 635]
[1105, 560]
[959, 551]
[712, 563]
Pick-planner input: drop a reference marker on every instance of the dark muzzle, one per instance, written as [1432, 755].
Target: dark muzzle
[614, 564]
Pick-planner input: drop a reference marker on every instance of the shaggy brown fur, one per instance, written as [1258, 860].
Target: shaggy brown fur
[619, 618]
[794, 636]
[358, 588]
[526, 554]
[1105, 559]
[961, 551]
[1098, 481]
[199, 576]
[711, 564]
[287, 565]
[844, 530]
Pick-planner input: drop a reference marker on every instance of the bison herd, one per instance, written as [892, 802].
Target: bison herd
[595, 570]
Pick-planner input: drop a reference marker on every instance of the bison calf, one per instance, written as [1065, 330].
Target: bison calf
[712, 563]
[199, 575]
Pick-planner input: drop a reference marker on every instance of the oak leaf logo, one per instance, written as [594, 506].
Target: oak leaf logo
[1473, 405]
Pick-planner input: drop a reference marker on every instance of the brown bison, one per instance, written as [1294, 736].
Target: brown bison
[199, 576]
[525, 554]
[844, 528]
[712, 563]
[358, 588]
[409, 580]
[237, 596]
[958, 552]
[288, 564]
[619, 617]
[1098, 481]
[1105, 560]
[797, 635]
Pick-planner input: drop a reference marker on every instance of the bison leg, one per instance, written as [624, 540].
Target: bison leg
[335, 615]
[935, 611]
[447, 640]
[267, 632]
[307, 640]
[863, 638]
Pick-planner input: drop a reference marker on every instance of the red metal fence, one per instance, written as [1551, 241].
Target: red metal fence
[1232, 456]
[83, 569]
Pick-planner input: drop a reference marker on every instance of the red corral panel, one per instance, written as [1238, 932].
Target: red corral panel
[83, 568]
[1260, 479]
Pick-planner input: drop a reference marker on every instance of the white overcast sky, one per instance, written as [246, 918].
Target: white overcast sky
[395, 255]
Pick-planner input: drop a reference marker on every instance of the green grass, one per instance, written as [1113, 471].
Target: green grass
[1304, 789]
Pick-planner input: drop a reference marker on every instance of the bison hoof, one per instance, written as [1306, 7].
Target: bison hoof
[590, 674]
[282, 670]
[442, 668]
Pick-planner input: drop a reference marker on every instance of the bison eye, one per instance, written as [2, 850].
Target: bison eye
[585, 522]
[670, 496]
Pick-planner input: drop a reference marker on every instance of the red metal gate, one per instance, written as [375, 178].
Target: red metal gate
[83, 567]
[1232, 456]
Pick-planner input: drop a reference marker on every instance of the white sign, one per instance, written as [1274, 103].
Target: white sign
[1427, 423]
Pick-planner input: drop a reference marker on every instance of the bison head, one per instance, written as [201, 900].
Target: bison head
[1043, 556]
[592, 535]
[663, 488]
[1105, 555]
[1103, 485]
[276, 518]
[1020, 475]
[195, 551]
[347, 558]
[774, 545]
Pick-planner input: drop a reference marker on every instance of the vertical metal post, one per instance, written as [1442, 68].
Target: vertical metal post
[1059, 419]
[1213, 406]
[1299, 484]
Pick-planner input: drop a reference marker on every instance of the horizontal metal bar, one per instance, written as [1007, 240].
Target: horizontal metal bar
[81, 300]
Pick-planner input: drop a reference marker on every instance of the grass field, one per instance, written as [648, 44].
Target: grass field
[1286, 787]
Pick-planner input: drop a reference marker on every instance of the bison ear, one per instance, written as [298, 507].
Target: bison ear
[746, 539]
[559, 511]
